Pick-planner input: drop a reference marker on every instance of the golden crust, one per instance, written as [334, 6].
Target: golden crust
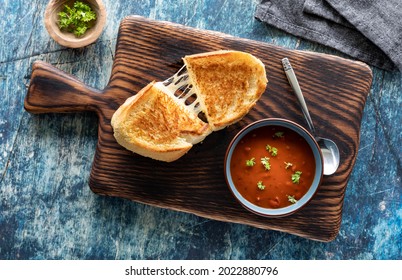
[229, 84]
[156, 124]
[153, 124]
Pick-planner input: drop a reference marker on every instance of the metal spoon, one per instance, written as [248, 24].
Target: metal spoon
[329, 149]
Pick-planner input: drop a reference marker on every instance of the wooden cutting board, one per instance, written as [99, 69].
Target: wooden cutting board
[335, 90]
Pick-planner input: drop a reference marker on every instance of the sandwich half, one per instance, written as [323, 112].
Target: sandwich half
[227, 83]
[155, 124]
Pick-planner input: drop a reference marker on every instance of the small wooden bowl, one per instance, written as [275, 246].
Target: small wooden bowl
[68, 39]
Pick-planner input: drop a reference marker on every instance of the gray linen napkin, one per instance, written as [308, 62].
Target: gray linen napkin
[322, 9]
[369, 30]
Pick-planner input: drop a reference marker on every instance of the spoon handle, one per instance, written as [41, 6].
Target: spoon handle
[290, 74]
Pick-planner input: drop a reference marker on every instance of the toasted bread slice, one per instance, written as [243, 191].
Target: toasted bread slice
[155, 124]
[227, 83]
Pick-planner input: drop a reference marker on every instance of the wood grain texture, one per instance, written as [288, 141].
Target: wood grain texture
[335, 90]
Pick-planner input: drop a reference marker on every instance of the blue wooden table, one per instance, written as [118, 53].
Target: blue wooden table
[47, 210]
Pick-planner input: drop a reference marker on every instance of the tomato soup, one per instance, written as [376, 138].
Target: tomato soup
[272, 166]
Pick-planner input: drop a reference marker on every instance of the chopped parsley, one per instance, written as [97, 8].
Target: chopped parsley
[250, 162]
[291, 199]
[272, 150]
[265, 162]
[278, 134]
[76, 19]
[296, 177]
[288, 164]
[260, 185]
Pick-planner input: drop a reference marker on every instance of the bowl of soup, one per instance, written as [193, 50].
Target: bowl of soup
[273, 167]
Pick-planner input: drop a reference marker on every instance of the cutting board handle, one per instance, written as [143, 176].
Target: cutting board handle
[52, 90]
